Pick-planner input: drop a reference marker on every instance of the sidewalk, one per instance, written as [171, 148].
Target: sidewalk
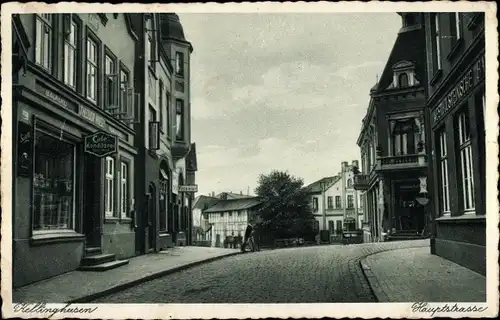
[83, 286]
[414, 274]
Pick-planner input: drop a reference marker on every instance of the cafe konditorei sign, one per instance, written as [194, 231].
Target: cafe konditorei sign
[101, 144]
[472, 77]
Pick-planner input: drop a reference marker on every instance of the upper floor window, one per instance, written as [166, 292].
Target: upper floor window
[160, 105]
[443, 176]
[179, 63]
[151, 49]
[404, 137]
[350, 201]
[109, 193]
[168, 111]
[92, 69]
[315, 204]
[110, 83]
[436, 42]
[124, 190]
[126, 101]
[338, 203]
[403, 80]
[330, 202]
[70, 47]
[455, 25]
[349, 183]
[179, 119]
[43, 40]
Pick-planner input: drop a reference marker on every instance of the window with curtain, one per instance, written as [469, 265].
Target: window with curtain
[403, 137]
[43, 40]
[53, 183]
[465, 168]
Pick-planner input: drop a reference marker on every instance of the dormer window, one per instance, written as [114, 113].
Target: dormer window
[403, 80]
[404, 75]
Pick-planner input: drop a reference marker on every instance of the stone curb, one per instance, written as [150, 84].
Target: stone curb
[123, 286]
[373, 282]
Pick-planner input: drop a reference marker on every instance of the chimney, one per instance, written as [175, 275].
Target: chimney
[344, 165]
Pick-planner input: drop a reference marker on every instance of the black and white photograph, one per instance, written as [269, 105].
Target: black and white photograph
[251, 160]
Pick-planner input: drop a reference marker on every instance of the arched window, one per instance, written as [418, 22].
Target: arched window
[349, 183]
[403, 80]
[404, 137]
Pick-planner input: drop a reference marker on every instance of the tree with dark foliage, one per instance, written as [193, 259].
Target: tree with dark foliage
[286, 211]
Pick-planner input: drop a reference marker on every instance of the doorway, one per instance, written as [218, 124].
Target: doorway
[151, 218]
[410, 215]
[92, 201]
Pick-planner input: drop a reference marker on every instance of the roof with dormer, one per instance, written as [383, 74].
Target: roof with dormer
[409, 48]
[171, 28]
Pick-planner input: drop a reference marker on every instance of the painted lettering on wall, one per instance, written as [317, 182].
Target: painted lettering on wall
[56, 98]
[91, 116]
[473, 76]
[24, 149]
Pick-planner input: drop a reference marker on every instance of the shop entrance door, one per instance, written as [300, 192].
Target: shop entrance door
[92, 201]
[409, 213]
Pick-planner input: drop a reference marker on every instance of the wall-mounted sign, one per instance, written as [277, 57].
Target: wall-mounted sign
[175, 181]
[91, 116]
[472, 77]
[423, 184]
[188, 188]
[24, 149]
[101, 144]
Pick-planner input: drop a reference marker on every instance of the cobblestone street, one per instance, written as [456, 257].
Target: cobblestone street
[310, 274]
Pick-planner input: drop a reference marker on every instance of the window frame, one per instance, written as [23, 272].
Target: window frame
[443, 177]
[91, 38]
[179, 64]
[109, 197]
[46, 21]
[401, 76]
[338, 202]
[125, 211]
[437, 44]
[350, 201]
[330, 202]
[465, 161]
[315, 204]
[168, 106]
[46, 129]
[114, 78]
[161, 105]
[179, 125]
[71, 46]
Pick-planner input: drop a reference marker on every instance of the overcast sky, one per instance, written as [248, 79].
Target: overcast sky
[281, 91]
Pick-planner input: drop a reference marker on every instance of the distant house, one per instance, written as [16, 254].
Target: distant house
[200, 204]
[334, 202]
[230, 218]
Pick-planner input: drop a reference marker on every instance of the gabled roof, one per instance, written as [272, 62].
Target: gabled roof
[204, 202]
[316, 186]
[407, 47]
[232, 195]
[234, 205]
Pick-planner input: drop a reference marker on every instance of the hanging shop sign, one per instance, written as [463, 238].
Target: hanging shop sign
[24, 149]
[188, 188]
[101, 144]
[471, 78]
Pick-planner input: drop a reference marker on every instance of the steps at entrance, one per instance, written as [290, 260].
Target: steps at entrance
[401, 235]
[95, 260]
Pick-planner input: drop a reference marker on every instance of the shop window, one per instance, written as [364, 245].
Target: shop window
[179, 64]
[350, 201]
[109, 192]
[315, 204]
[179, 119]
[43, 44]
[53, 183]
[443, 168]
[465, 158]
[330, 202]
[124, 190]
[92, 69]
[338, 205]
[70, 47]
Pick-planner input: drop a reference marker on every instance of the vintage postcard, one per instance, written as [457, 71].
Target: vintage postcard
[249, 160]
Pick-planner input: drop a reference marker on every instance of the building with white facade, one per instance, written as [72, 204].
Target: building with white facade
[230, 218]
[200, 227]
[334, 202]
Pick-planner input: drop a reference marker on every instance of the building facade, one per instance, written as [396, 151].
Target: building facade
[335, 203]
[393, 171]
[72, 81]
[456, 68]
[229, 218]
[163, 130]
[200, 225]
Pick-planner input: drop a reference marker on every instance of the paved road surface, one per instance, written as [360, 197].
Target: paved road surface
[309, 274]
